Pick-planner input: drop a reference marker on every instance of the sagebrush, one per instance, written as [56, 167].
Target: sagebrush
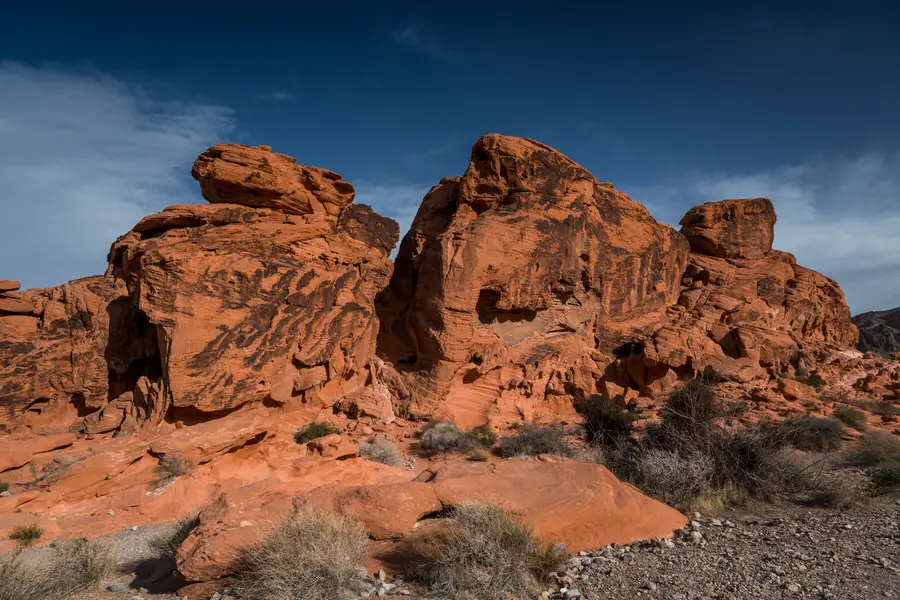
[606, 420]
[531, 440]
[482, 552]
[314, 554]
[380, 450]
[66, 570]
[852, 417]
[443, 436]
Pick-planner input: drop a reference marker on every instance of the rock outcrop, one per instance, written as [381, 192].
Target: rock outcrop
[266, 295]
[515, 278]
[731, 228]
[527, 282]
[53, 366]
[879, 331]
[220, 329]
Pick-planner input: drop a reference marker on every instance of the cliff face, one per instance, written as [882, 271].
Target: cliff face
[879, 331]
[521, 285]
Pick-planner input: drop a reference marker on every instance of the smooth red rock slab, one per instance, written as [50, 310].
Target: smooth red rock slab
[18, 449]
[580, 504]
[8, 285]
[386, 511]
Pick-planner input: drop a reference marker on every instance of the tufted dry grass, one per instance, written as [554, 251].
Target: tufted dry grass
[314, 554]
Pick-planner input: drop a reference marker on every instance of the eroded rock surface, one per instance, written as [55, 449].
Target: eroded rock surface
[515, 277]
[266, 295]
[731, 228]
[879, 331]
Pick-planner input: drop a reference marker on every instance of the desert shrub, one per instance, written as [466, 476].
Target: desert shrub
[694, 405]
[483, 436]
[674, 478]
[26, 535]
[24, 580]
[812, 480]
[171, 466]
[4, 486]
[812, 434]
[884, 408]
[314, 430]
[530, 440]
[73, 567]
[314, 554]
[605, 420]
[441, 436]
[483, 552]
[877, 446]
[380, 450]
[82, 565]
[852, 417]
[886, 476]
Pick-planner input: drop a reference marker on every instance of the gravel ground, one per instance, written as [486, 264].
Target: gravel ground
[796, 554]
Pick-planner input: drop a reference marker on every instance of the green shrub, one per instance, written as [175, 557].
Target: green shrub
[380, 450]
[26, 535]
[483, 552]
[314, 430]
[314, 554]
[606, 421]
[483, 436]
[531, 440]
[851, 417]
[811, 434]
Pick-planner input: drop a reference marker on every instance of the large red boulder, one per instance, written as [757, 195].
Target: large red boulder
[731, 228]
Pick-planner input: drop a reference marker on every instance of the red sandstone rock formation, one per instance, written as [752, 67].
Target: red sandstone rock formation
[731, 228]
[219, 329]
[266, 298]
[516, 278]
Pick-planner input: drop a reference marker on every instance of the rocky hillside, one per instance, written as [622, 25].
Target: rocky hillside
[879, 331]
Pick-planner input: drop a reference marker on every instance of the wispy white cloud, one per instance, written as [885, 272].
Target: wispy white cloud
[839, 216]
[416, 37]
[278, 95]
[83, 156]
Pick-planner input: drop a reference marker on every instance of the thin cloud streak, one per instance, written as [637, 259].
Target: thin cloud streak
[83, 157]
[417, 38]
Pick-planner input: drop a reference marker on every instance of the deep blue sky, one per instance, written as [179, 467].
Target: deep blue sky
[672, 101]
